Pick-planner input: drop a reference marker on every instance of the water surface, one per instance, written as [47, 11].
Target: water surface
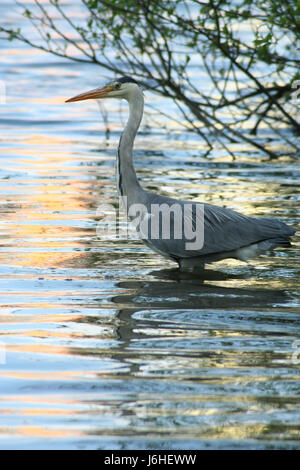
[107, 345]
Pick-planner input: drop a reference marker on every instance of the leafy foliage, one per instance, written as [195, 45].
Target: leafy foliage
[247, 49]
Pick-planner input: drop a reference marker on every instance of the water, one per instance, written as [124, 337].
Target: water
[104, 345]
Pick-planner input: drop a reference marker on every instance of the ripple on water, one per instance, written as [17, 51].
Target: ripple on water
[102, 343]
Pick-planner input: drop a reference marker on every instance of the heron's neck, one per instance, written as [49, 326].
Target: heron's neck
[127, 182]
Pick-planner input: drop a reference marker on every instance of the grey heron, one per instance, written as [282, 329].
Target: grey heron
[224, 232]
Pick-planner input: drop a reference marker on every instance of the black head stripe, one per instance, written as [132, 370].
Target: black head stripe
[126, 80]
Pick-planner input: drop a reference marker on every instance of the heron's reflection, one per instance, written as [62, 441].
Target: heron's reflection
[177, 291]
[174, 289]
[170, 301]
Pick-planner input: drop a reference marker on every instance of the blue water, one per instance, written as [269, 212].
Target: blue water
[104, 345]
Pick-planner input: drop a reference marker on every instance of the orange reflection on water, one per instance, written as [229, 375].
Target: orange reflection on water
[48, 207]
[39, 431]
[38, 348]
[45, 412]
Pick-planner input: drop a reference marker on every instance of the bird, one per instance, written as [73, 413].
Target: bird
[190, 233]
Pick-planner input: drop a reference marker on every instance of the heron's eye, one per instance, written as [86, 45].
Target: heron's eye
[117, 85]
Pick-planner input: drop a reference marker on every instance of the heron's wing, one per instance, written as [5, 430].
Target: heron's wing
[227, 230]
[219, 230]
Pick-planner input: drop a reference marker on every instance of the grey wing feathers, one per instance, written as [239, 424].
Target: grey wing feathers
[224, 230]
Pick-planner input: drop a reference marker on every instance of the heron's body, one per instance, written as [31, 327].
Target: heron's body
[224, 233]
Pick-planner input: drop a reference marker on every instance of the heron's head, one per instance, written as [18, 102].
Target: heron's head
[119, 88]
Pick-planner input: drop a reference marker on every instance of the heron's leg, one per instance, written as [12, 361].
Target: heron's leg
[191, 264]
[199, 268]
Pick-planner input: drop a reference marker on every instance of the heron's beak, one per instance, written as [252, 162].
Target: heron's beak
[92, 94]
